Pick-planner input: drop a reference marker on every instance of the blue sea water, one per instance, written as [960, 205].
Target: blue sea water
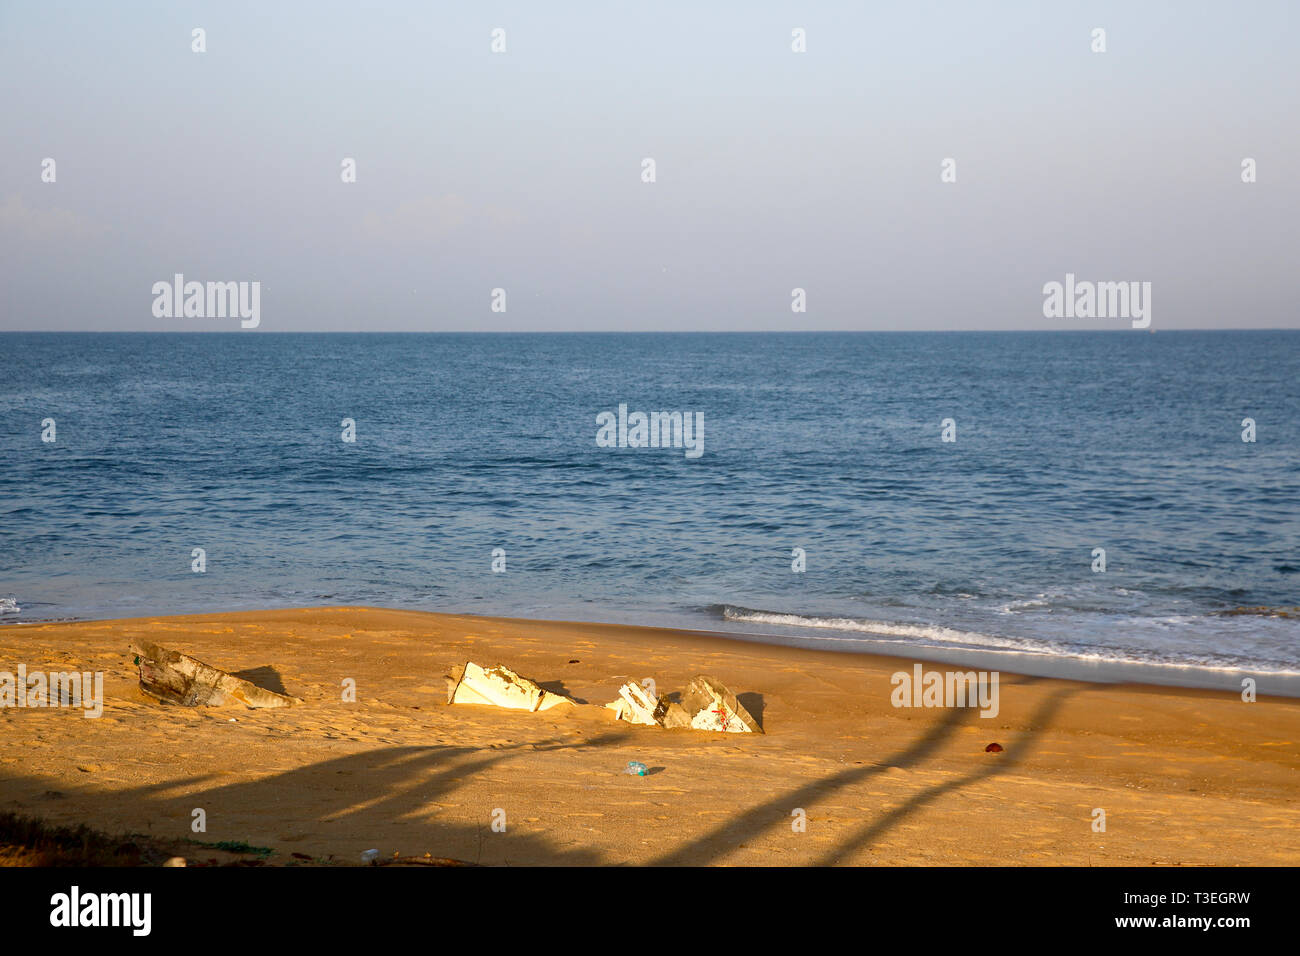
[978, 550]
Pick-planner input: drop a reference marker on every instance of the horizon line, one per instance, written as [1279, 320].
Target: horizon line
[1117, 331]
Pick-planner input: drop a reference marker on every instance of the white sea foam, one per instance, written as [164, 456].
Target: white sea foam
[923, 632]
[933, 634]
[9, 606]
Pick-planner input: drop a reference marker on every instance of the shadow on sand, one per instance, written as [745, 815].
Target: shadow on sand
[382, 796]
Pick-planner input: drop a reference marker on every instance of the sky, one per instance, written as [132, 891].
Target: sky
[523, 170]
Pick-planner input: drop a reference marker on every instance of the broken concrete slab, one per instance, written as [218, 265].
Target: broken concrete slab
[177, 678]
[500, 687]
[712, 707]
[636, 706]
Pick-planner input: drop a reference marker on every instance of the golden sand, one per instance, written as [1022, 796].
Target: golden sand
[1183, 776]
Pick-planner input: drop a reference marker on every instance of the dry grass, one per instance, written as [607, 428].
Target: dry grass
[26, 841]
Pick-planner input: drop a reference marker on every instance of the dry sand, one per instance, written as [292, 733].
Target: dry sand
[1184, 776]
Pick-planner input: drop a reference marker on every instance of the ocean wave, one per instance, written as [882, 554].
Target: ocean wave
[934, 634]
[9, 606]
[924, 632]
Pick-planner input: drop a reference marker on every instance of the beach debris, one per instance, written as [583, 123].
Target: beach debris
[575, 661]
[501, 687]
[369, 856]
[637, 768]
[993, 749]
[712, 707]
[705, 705]
[636, 706]
[177, 678]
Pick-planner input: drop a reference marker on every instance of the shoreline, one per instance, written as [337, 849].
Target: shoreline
[1068, 667]
[1183, 776]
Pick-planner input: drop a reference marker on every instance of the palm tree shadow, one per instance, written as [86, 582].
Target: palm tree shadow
[866, 835]
[368, 793]
[749, 824]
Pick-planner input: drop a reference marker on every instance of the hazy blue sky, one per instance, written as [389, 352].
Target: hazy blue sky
[522, 170]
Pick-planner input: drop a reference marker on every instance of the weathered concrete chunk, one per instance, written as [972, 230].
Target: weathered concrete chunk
[180, 679]
[711, 706]
[500, 687]
[636, 706]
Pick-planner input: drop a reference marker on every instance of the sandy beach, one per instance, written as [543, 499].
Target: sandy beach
[1184, 777]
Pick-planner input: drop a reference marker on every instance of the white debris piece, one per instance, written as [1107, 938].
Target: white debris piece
[713, 707]
[500, 687]
[177, 678]
[636, 706]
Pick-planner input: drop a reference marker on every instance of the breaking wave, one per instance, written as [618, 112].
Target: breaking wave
[937, 635]
[922, 632]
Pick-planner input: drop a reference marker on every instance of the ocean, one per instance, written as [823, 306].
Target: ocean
[981, 550]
